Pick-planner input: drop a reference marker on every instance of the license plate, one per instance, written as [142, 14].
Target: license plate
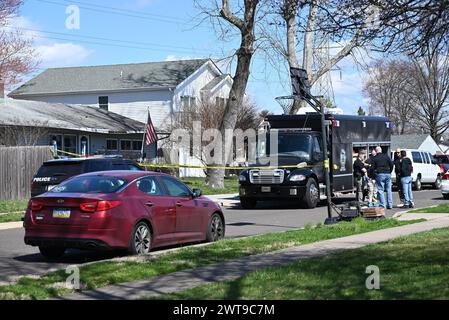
[61, 213]
[266, 189]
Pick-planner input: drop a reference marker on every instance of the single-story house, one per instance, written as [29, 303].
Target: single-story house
[422, 142]
[76, 129]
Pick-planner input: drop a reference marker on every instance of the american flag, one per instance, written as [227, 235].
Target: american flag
[150, 132]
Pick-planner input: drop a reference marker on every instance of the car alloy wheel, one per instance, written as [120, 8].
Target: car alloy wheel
[142, 239]
[216, 228]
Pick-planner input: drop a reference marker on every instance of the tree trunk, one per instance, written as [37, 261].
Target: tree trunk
[215, 177]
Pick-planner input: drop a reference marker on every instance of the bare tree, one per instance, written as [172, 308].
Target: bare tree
[389, 90]
[17, 56]
[431, 90]
[242, 18]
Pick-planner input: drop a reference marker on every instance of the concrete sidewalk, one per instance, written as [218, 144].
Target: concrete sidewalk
[233, 269]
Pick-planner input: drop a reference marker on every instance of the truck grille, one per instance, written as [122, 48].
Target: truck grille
[266, 176]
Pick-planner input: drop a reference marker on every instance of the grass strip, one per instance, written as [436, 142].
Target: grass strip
[411, 267]
[113, 272]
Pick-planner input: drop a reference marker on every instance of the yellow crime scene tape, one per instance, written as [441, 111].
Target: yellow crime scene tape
[155, 165]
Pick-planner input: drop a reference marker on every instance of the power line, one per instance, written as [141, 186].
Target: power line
[121, 12]
[105, 39]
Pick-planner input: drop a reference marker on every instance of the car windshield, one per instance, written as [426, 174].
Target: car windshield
[295, 146]
[91, 184]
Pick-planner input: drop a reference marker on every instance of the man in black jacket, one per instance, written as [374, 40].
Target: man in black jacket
[383, 166]
[397, 171]
[406, 179]
[359, 171]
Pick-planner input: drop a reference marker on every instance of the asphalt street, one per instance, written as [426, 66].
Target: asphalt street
[17, 259]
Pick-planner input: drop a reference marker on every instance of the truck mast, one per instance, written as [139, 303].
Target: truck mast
[301, 92]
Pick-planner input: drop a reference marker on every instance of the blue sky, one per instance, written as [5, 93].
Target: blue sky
[157, 30]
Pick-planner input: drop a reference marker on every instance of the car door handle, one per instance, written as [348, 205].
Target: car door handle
[179, 204]
[149, 204]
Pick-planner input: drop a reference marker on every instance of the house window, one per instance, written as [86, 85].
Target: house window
[70, 143]
[220, 102]
[103, 102]
[112, 144]
[137, 145]
[125, 145]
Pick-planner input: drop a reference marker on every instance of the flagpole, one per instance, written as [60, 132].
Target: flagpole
[144, 133]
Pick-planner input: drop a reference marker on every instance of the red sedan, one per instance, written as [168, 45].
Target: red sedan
[130, 210]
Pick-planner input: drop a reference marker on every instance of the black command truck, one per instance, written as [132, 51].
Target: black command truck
[294, 170]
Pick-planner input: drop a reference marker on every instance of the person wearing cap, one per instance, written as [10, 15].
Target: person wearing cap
[359, 171]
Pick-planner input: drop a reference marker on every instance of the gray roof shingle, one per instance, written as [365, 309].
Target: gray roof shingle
[407, 141]
[62, 116]
[109, 77]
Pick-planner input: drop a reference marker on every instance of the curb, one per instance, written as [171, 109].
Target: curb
[400, 213]
[11, 225]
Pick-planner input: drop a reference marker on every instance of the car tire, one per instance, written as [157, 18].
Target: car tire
[417, 185]
[246, 203]
[141, 239]
[312, 195]
[215, 228]
[437, 184]
[52, 252]
[446, 196]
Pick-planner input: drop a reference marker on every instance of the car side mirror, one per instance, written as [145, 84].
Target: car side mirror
[197, 193]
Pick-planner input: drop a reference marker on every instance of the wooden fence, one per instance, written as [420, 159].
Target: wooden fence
[18, 165]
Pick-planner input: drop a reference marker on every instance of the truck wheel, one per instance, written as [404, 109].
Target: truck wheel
[418, 184]
[52, 252]
[246, 203]
[312, 195]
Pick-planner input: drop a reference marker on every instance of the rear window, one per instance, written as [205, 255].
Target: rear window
[90, 184]
[60, 169]
[442, 159]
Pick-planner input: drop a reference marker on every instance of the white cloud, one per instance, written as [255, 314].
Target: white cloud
[62, 54]
[172, 57]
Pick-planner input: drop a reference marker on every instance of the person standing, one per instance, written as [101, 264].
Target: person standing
[397, 171]
[372, 190]
[383, 166]
[358, 172]
[406, 179]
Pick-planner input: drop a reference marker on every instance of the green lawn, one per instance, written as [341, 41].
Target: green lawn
[15, 210]
[413, 267]
[442, 208]
[113, 272]
[231, 185]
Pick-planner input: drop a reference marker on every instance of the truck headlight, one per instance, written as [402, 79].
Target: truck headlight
[242, 178]
[297, 177]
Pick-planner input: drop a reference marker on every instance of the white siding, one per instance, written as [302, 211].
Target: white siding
[129, 104]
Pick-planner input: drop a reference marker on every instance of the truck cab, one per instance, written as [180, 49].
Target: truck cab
[289, 162]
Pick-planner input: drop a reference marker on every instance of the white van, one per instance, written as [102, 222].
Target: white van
[425, 169]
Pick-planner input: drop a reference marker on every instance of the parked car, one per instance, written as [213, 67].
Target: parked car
[425, 169]
[133, 210]
[442, 161]
[53, 172]
[445, 185]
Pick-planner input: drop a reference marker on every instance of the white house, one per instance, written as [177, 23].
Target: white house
[163, 88]
[422, 142]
